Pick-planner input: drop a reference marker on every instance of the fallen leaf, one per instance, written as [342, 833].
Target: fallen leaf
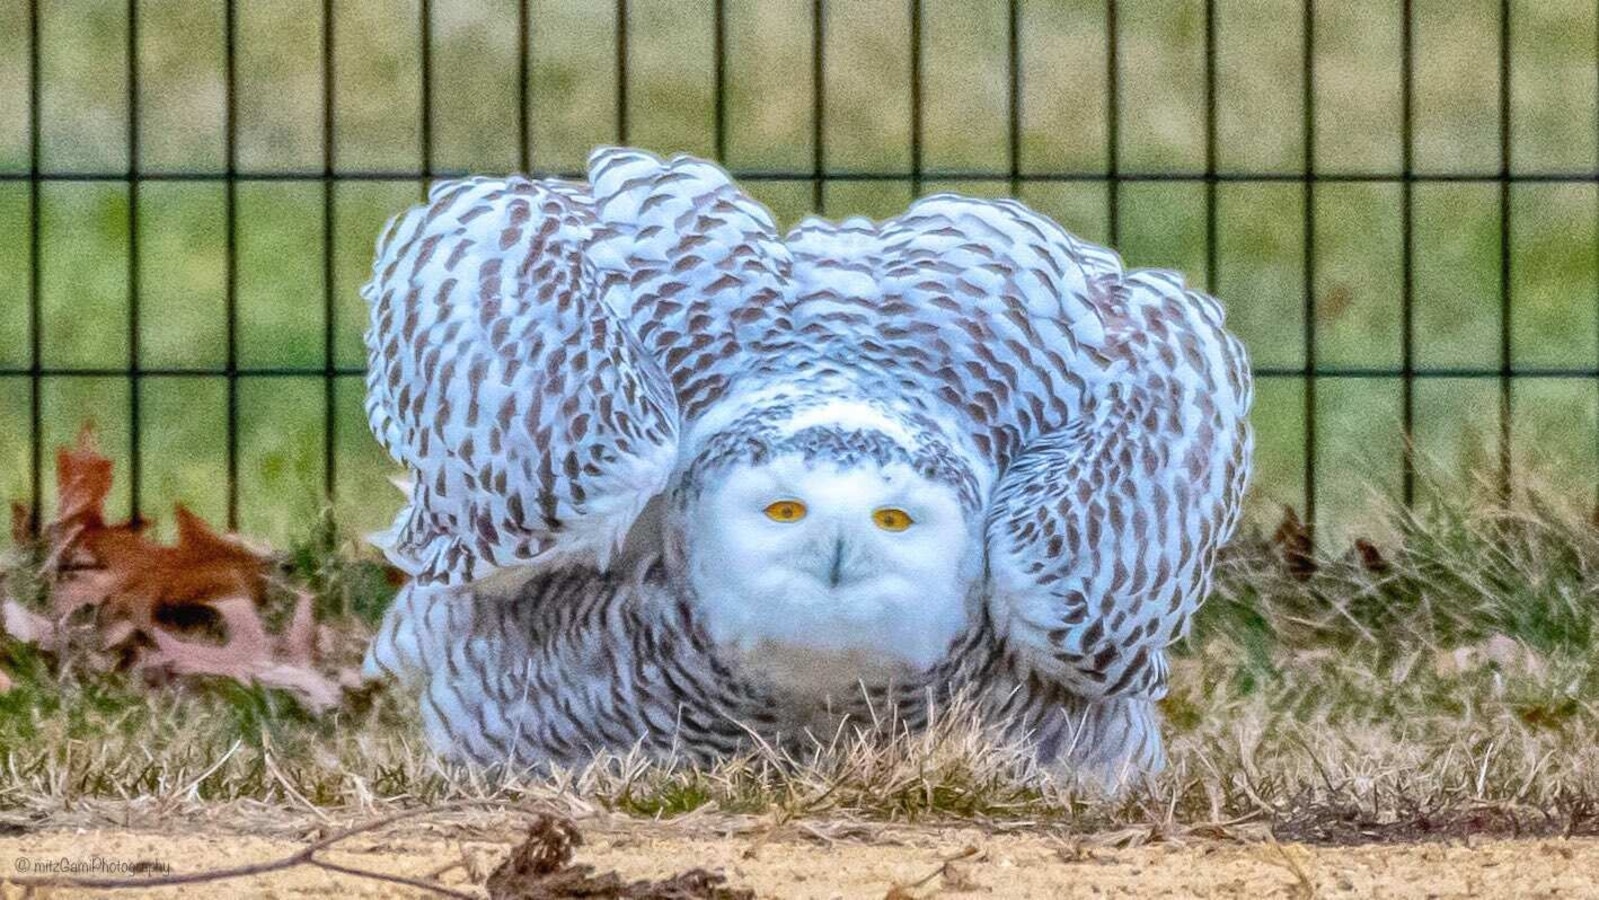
[5, 682]
[299, 639]
[247, 656]
[88, 587]
[21, 523]
[115, 634]
[201, 566]
[28, 626]
[1371, 558]
[1293, 541]
[540, 868]
[83, 480]
[140, 591]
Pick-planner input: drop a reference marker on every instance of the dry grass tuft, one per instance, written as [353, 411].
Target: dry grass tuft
[1439, 686]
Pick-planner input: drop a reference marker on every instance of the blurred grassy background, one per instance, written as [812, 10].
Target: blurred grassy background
[84, 122]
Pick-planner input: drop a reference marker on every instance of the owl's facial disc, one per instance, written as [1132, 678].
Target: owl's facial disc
[855, 571]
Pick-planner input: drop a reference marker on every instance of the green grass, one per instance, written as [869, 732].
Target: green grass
[1260, 276]
[1451, 683]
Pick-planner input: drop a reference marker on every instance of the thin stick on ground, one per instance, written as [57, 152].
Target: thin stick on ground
[305, 856]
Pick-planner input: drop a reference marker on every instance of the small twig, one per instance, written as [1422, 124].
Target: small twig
[943, 867]
[394, 879]
[283, 782]
[194, 785]
[305, 856]
[437, 872]
[1306, 887]
[753, 851]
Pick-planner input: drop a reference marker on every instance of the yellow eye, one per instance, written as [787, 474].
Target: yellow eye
[891, 519]
[786, 511]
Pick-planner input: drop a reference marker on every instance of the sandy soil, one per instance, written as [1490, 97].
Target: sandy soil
[847, 863]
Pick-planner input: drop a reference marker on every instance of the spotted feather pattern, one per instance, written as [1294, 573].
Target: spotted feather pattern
[572, 662]
[695, 266]
[533, 422]
[650, 327]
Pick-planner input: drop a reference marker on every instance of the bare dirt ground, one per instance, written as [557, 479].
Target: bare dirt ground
[847, 861]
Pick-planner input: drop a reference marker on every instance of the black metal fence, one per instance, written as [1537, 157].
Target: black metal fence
[1503, 371]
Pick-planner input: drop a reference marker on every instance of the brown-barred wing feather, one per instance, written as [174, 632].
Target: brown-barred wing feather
[1109, 408]
[534, 424]
[692, 262]
[1102, 535]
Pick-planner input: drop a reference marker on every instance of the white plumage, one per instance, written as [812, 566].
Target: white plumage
[732, 481]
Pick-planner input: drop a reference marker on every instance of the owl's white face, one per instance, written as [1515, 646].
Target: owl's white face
[824, 576]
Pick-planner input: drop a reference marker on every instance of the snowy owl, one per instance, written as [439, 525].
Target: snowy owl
[678, 480]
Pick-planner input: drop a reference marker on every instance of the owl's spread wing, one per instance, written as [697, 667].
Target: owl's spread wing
[1110, 406]
[1102, 534]
[984, 305]
[692, 262]
[534, 423]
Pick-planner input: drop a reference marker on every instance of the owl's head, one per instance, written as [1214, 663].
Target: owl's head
[835, 537]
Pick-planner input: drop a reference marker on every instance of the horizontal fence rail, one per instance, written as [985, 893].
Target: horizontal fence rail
[1309, 177]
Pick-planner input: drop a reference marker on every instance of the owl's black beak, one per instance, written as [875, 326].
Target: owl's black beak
[835, 572]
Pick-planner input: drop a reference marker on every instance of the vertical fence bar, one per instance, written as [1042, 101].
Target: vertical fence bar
[1210, 147]
[330, 471]
[1504, 253]
[719, 51]
[1013, 120]
[135, 456]
[1308, 111]
[230, 254]
[425, 37]
[1407, 257]
[35, 316]
[916, 98]
[1113, 107]
[524, 118]
[818, 106]
[621, 71]
[1505, 372]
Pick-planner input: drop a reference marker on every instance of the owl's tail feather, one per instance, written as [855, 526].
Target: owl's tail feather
[425, 621]
[1104, 744]
[415, 631]
[389, 540]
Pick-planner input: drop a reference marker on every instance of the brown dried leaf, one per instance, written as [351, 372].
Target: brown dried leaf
[202, 566]
[1371, 558]
[247, 655]
[540, 869]
[137, 587]
[115, 634]
[87, 587]
[28, 626]
[83, 480]
[21, 523]
[318, 692]
[5, 682]
[299, 638]
[1293, 541]
[246, 647]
